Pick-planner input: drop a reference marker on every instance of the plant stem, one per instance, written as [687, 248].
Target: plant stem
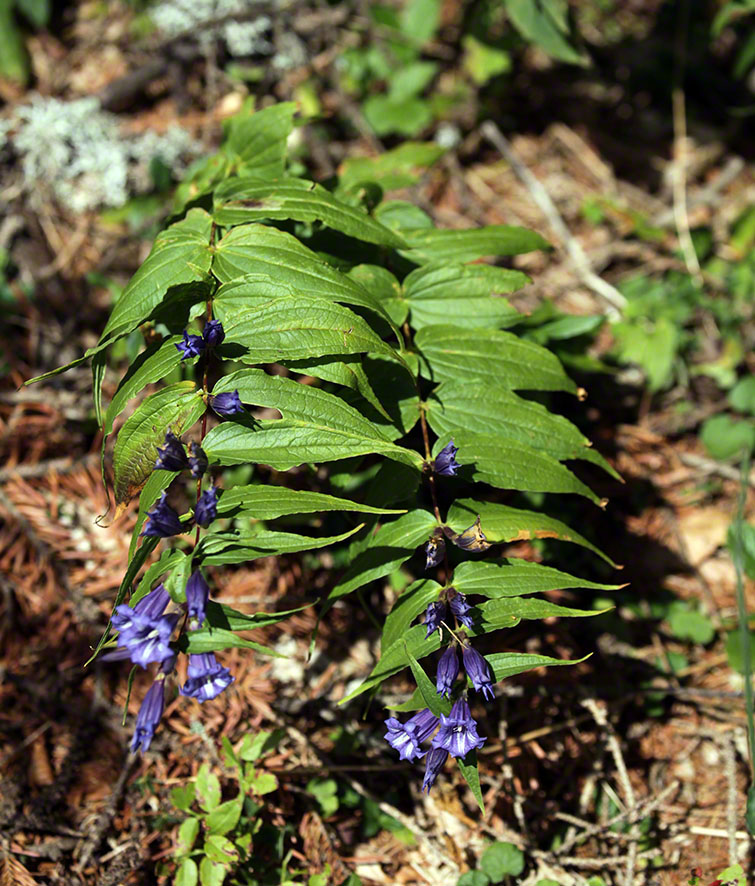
[744, 631]
[205, 367]
[431, 475]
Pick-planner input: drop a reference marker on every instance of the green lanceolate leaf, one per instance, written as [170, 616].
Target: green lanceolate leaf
[458, 406]
[174, 408]
[436, 703]
[181, 254]
[265, 502]
[509, 465]
[430, 245]
[257, 143]
[158, 481]
[240, 547]
[275, 327]
[509, 664]
[150, 366]
[462, 294]
[259, 250]
[501, 523]
[214, 639]
[316, 427]
[414, 600]
[241, 200]
[494, 358]
[390, 546]
[506, 611]
[221, 616]
[515, 577]
[470, 770]
[348, 372]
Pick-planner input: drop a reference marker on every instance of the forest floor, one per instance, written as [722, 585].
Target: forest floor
[617, 766]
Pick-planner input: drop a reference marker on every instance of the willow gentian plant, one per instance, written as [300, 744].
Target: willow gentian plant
[402, 377]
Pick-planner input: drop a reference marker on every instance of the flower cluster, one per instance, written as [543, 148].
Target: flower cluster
[144, 637]
[457, 736]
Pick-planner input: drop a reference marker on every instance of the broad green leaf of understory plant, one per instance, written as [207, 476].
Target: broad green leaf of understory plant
[265, 502]
[462, 294]
[515, 577]
[434, 244]
[496, 359]
[216, 639]
[173, 408]
[241, 200]
[509, 664]
[501, 860]
[178, 265]
[240, 547]
[150, 366]
[348, 371]
[507, 465]
[457, 406]
[256, 145]
[273, 328]
[316, 426]
[419, 19]
[260, 250]
[181, 254]
[258, 142]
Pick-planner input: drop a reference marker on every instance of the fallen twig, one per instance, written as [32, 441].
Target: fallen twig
[614, 299]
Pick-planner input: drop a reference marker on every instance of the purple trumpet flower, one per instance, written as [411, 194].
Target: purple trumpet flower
[445, 461]
[227, 404]
[460, 608]
[146, 642]
[448, 671]
[206, 677]
[458, 731]
[162, 520]
[171, 456]
[197, 461]
[213, 333]
[207, 507]
[434, 615]
[436, 757]
[197, 595]
[191, 346]
[478, 670]
[406, 738]
[149, 715]
[132, 618]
